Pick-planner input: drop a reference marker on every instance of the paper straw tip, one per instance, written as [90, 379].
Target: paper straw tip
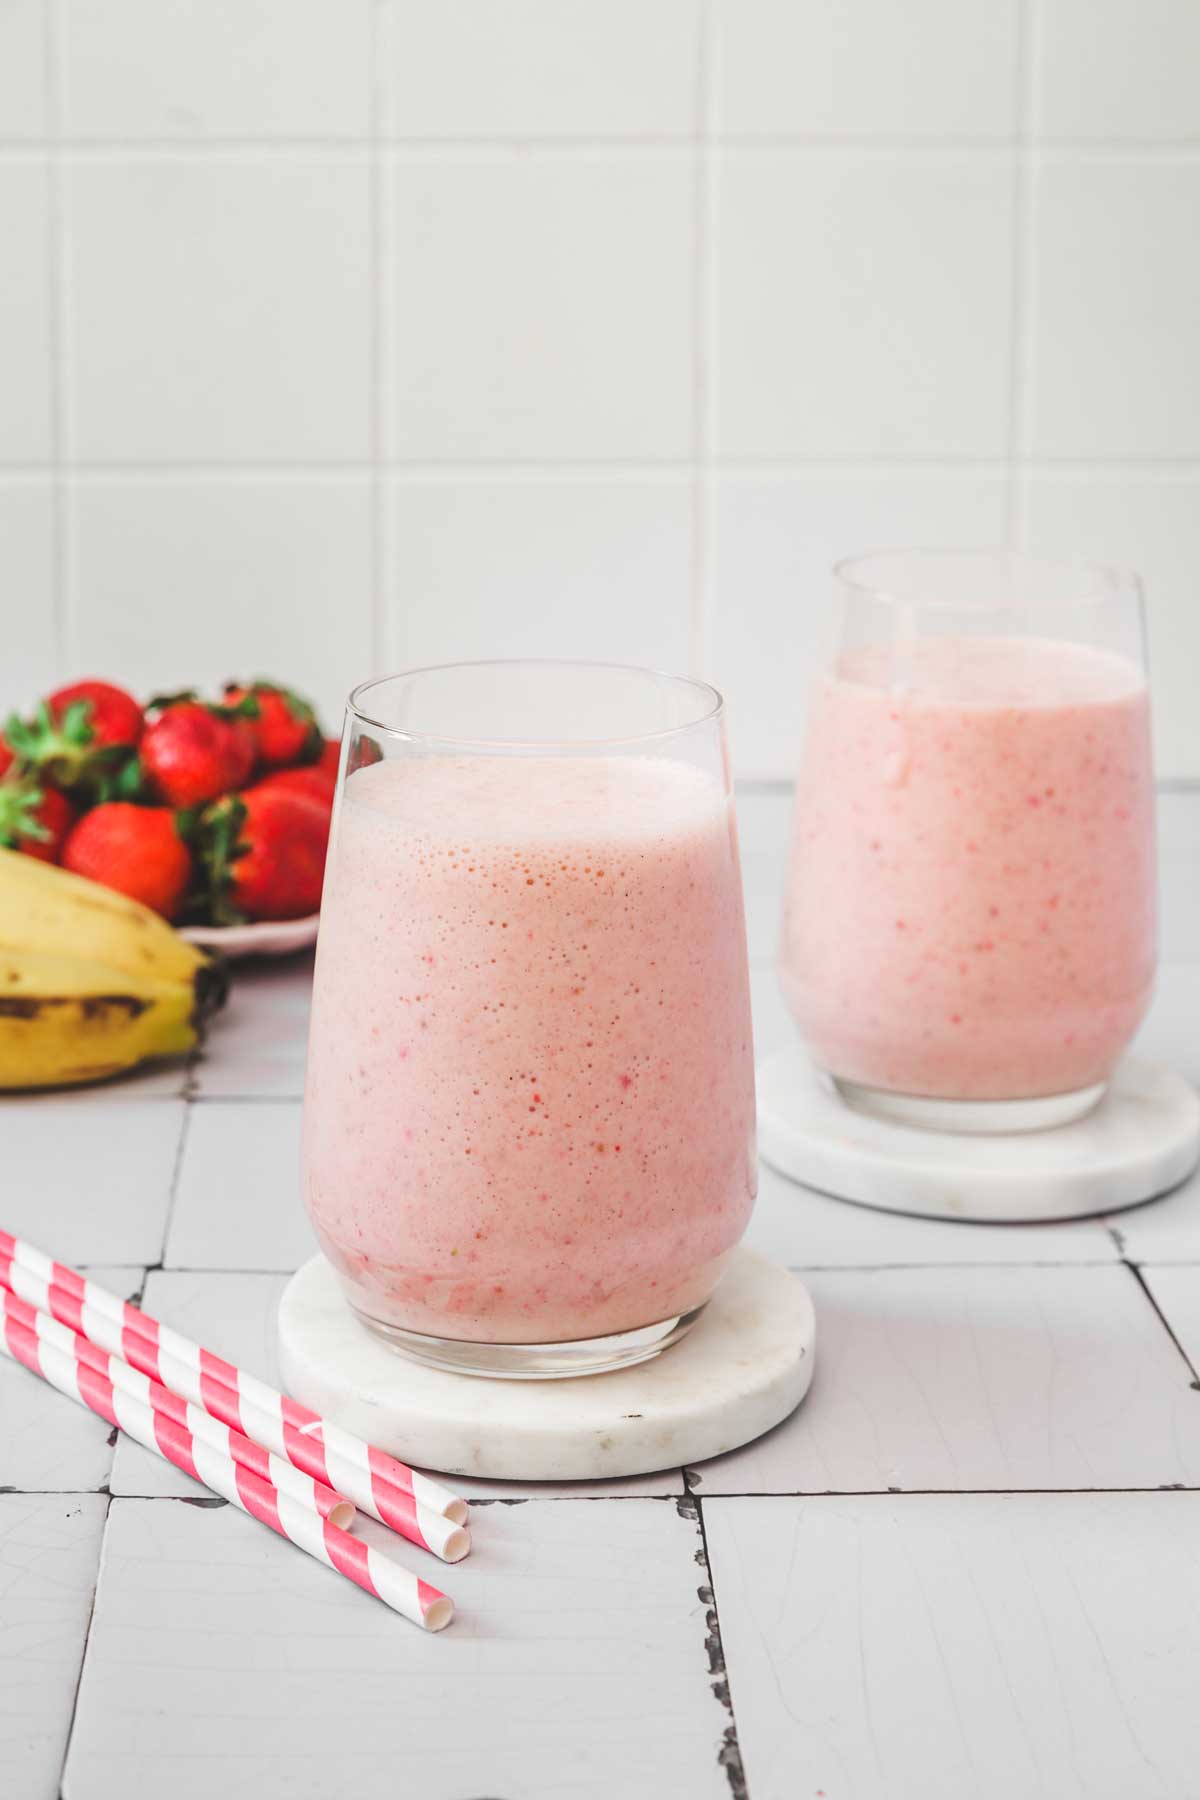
[457, 1545]
[439, 1613]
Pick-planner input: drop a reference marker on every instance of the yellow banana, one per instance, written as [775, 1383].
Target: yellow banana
[91, 982]
[46, 908]
[68, 1019]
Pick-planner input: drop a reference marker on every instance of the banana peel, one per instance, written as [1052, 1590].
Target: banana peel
[91, 983]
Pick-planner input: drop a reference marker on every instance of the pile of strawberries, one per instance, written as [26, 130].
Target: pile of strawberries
[209, 812]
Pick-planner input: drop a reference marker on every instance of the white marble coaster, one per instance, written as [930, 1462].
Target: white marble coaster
[1141, 1140]
[742, 1368]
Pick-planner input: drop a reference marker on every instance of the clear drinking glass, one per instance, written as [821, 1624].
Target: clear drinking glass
[969, 937]
[529, 1115]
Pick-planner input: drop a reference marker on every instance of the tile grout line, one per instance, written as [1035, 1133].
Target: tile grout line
[904, 1268]
[704, 368]
[56, 259]
[897, 1493]
[678, 1495]
[356, 147]
[729, 1757]
[377, 327]
[1135, 1270]
[87, 1641]
[173, 1192]
[568, 469]
[1021, 302]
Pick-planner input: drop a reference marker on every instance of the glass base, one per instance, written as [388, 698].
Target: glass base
[534, 1362]
[975, 1117]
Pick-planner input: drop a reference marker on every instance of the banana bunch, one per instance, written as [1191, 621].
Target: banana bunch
[91, 982]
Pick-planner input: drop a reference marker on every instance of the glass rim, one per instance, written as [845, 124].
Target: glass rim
[1105, 582]
[713, 711]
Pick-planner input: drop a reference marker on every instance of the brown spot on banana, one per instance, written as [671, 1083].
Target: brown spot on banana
[92, 1006]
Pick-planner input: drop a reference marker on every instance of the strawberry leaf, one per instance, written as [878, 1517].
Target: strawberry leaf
[245, 708]
[19, 803]
[215, 839]
[62, 749]
[160, 702]
[123, 781]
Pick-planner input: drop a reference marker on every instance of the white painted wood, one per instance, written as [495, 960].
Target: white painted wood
[1141, 1140]
[257, 1046]
[49, 1551]
[744, 1365]
[238, 1202]
[1042, 1646]
[49, 1443]
[797, 1226]
[998, 1378]
[576, 1665]
[87, 1178]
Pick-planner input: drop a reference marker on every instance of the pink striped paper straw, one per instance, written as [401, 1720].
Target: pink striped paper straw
[404, 1592]
[377, 1483]
[442, 1536]
[160, 1401]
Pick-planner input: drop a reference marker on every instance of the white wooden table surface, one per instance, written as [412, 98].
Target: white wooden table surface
[969, 1566]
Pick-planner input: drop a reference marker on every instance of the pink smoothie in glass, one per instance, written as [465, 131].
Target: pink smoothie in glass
[530, 1103]
[971, 908]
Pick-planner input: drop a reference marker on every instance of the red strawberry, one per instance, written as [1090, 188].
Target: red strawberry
[265, 851]
[113, 716]
[6, 756]
[286, 729]
[80, 735]
[192, 753]
[34, 817]
[135, 849]
[330, 757]
[311, 780]
[364, 752]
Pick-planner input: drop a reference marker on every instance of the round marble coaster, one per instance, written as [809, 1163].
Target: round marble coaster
[1142, 1139]
[742, 1368]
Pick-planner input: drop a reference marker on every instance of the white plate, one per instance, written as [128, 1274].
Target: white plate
[271, 937]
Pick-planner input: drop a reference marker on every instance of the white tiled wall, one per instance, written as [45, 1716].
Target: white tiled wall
[337, 334]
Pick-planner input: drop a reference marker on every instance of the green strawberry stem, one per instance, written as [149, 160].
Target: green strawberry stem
[64, 750]
[246, 708]
[214, 835]
[19, 803]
